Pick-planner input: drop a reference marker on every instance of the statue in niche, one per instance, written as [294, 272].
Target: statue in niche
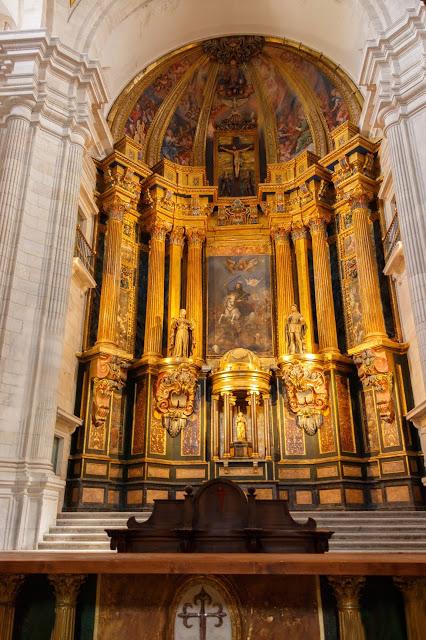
[295, 331]
[182, 342]
[241, 426]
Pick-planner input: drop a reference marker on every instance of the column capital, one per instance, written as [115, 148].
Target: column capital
[9, 587]
[347, 590]
[115, 209]
[159, 229]
[281, 234]
[195, 236]
[66, 588]
[299, 233]
[317, 225]
[359, 199]
[177, 236]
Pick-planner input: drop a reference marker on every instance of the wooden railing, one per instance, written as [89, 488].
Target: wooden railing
[392, 235]
[84, 251]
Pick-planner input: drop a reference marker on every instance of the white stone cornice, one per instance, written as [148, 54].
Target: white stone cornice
[64, 89]
[394, 72]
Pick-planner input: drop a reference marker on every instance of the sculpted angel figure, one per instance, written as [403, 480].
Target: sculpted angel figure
[182, 340]
[295, 331]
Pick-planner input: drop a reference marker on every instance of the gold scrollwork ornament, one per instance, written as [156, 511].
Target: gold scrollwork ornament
[307, 394]
[175, 396]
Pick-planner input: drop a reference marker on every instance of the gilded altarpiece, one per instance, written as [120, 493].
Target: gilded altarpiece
[220, 350]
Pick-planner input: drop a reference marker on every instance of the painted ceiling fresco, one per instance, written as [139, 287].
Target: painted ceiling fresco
[291, 98]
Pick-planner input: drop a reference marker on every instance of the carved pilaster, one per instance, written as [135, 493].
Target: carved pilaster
[9, 587]
[300, 240]
[327, 334]
[285, 288]
[414, 594]
[347, 591]
[371, 305]
[194, 287]
[109, 304]
[66, 588]
[155, 293]
[177, 242]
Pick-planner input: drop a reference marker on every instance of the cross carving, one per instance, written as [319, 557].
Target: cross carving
[202, 598]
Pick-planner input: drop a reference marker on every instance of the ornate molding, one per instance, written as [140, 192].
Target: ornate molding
[233, 48]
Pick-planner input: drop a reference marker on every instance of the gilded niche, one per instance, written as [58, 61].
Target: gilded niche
[307, 393]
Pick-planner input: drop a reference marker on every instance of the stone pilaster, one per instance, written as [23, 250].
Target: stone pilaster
[9, 587]
[285, 288]
[155, 293]
[194, 287]
[371, 305]
[177, 241]
[66, 588]
[300, 240]
[48, 120]
[347, 590]
[327, 334]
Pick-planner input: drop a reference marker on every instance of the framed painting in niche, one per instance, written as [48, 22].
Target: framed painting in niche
[236, 163]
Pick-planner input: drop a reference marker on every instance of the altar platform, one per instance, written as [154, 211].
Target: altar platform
[94, 596]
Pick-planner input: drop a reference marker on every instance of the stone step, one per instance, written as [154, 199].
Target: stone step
[362, 531]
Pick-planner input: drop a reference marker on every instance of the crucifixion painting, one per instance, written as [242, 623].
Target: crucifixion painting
[202, 614]
[236, 168]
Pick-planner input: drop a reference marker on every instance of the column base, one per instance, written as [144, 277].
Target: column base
[29, 502]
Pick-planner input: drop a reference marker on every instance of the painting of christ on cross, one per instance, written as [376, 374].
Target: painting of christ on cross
[236, 164]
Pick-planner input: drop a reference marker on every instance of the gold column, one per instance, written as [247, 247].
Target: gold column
[414, 593]
[347, 590]
[194, 287]
[108, 312]
[9, 587]
[371, 305]
[266, 412]
[177, 241]
[285, 288]
[327, 334]
[300, 239]
[215, 427]
[66, 589]
[227, 426]
[252, 400]
[155, 293]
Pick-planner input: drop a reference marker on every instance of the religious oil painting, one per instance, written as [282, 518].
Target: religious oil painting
[239, 304]
[236, 165]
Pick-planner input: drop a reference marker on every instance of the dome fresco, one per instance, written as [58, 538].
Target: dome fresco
[290, 96]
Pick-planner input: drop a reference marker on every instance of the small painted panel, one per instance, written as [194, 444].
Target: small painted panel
[191, 434]
[345, 415]
[294, 438]
[239, 304]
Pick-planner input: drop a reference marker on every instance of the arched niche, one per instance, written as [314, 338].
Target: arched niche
[216, 599]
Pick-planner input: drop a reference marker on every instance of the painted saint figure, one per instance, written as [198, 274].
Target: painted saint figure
[295, 331]
[241, 426]
[182, 341]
